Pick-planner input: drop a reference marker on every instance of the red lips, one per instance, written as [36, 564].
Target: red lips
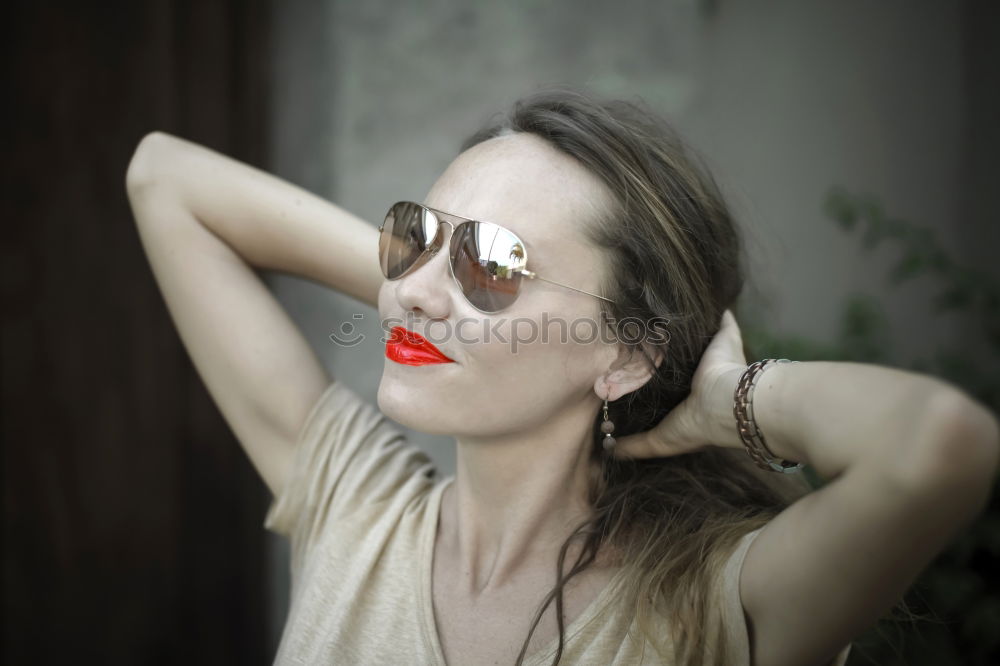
[412, 348]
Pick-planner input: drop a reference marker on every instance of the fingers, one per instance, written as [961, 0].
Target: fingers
[635, 446]
[648, 444]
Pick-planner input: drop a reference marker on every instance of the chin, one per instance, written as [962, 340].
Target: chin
[412, 407]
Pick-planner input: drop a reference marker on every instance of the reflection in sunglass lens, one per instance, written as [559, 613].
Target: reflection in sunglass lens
[408, 231]
[484, 259]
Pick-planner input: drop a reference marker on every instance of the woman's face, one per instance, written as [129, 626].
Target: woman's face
[506, 376]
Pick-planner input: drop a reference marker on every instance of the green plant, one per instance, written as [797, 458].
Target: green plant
[957, 589]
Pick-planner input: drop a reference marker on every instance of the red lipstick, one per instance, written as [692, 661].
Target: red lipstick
[412, 348]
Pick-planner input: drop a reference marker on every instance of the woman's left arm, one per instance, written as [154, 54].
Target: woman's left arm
[918, 430]
[910, 461]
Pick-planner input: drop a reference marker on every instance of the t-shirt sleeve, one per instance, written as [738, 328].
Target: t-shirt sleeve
[733, 618]
[347, 455]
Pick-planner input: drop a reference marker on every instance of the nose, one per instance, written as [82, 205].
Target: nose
[429, 289]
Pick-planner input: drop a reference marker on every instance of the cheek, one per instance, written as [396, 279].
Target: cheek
[552, 355]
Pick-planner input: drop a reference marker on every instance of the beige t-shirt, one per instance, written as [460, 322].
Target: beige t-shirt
[361, 510]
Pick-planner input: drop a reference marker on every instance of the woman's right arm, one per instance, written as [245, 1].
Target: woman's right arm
[206, 222]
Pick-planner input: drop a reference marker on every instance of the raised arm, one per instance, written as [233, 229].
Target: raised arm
[206, 222]
[911, 462]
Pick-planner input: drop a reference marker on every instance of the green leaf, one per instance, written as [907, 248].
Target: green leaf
[911, 265]
[896, 228]
[839, 207]
[953, 298]
[874, 233]
[939, 261]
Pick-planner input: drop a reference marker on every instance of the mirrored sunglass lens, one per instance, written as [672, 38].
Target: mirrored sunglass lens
[484, 258]
[408, 231]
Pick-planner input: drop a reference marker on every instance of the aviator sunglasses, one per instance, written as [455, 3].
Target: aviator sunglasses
[488, 262]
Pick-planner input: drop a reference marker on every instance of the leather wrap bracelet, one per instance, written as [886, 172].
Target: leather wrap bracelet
[750, 434]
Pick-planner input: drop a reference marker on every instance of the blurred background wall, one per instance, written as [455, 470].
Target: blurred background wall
[133, 521]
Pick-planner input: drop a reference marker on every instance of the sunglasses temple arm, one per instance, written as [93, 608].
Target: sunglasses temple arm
[536, 276]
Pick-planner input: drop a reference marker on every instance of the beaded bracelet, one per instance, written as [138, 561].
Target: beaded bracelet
[750, 434]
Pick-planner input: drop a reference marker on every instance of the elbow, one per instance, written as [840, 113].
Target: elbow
[959, 450]
[146, 166]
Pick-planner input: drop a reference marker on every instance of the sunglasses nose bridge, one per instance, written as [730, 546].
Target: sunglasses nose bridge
[441, 244]
[439, 241]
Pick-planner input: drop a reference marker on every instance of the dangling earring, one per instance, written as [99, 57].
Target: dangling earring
[607, 427]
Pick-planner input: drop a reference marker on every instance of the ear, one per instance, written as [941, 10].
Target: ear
[629, 372]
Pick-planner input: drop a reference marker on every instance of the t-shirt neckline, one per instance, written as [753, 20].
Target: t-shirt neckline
[425, 593]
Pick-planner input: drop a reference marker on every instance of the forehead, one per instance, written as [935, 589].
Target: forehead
[521, 182]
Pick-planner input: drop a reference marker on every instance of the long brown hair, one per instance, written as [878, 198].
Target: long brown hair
[674, 253]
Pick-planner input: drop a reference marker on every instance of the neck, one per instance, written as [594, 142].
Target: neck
[515, 500]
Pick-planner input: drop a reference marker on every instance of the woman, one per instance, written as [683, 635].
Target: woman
[610, 474]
